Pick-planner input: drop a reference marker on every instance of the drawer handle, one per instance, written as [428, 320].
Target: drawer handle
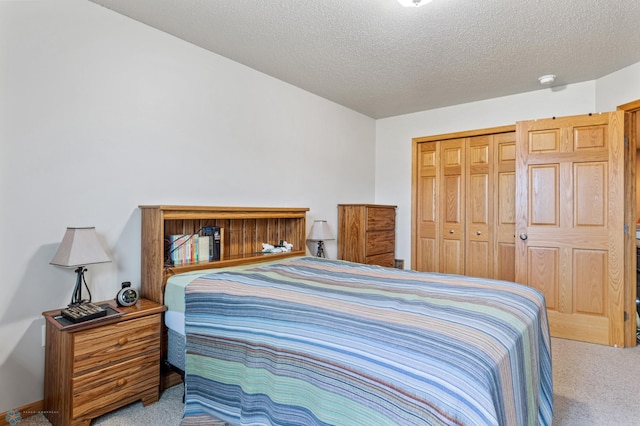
[121, 382]
[122, 341]
[478, 232]
[451, 231]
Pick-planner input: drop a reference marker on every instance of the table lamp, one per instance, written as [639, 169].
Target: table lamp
[320, 232]
[79, 247]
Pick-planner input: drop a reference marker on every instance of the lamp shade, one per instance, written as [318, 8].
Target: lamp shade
[79, 247]
[320, 231]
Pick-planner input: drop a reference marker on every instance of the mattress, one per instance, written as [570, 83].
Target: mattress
[174, 315]
[313, 341]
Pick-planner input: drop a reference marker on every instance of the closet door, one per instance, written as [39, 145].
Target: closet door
[504, 202]
[569, 222]
[452, 230]
[479, 253]
[426, 215]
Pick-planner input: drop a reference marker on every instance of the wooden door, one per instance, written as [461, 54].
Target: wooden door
[504, 146]
[451, 223]
[426, 211]
[479, 207]
[569, 222]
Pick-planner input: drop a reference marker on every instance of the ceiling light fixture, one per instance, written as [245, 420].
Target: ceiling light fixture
[413, 3]
[547, 79]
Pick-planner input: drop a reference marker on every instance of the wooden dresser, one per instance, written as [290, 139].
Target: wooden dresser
[367, 233]
[96, 367]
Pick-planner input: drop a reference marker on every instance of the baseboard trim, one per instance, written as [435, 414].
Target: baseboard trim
[24, 412]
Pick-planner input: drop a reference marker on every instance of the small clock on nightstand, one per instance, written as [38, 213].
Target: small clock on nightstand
[127, 296]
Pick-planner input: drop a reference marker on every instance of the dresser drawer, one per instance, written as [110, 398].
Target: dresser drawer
[381, 219]
[386, 259]
[379, 242]
[98, 347]
[98, 389]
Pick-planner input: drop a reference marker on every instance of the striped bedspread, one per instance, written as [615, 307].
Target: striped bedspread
[312, 341]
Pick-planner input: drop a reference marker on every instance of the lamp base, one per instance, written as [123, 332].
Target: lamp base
[320, 252]
[76, 299]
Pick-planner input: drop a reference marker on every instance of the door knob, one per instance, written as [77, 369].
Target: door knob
[523, 236]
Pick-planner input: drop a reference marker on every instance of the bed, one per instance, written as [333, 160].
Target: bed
[311, 341]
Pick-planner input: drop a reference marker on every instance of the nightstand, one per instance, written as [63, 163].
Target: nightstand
[95, 367]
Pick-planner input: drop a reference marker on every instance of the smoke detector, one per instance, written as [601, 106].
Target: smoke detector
[547, 79]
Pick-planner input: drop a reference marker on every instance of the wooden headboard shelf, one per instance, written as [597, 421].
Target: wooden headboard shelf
[244, 229]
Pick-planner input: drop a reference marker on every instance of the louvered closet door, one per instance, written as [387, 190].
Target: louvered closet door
[452, 209]
[479, 253]
[569, 222]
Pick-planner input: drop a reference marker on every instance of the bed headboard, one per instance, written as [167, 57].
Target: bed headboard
[243, 230]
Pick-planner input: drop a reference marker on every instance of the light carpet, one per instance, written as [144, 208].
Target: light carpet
[593, 385]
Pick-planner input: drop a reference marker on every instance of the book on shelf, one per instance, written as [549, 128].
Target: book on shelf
[215, 234]
[186, 249]
[203, 248]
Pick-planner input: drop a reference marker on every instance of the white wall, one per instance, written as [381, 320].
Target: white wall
[394, 135]
[618, 88]
[99, 114]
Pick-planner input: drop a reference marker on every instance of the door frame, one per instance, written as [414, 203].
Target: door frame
[632, 115]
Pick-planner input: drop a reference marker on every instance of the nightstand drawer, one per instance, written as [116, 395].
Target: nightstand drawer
[112, 343]
[99, 389]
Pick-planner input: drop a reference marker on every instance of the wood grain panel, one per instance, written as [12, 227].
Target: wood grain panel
[544, 141]
[351, 234]
[543, 273]
[452, 156]
[543, 200]
[378, 242]
[590, 269]
[590, 183]
[98, 347]
[452, 192]
[381, 219]
[506, 261]
[506, 198]
[427, 254]
[505, 205]
[478, 259]
[590, 137]
[428, 199]
[479, 154]
[507, 149]
[451, 259]
[366, 233]
[428, 159]
[126, 381]
[384, 259]
[478, 208]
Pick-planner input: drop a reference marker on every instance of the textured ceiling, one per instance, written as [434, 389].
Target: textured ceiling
[381, 59]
